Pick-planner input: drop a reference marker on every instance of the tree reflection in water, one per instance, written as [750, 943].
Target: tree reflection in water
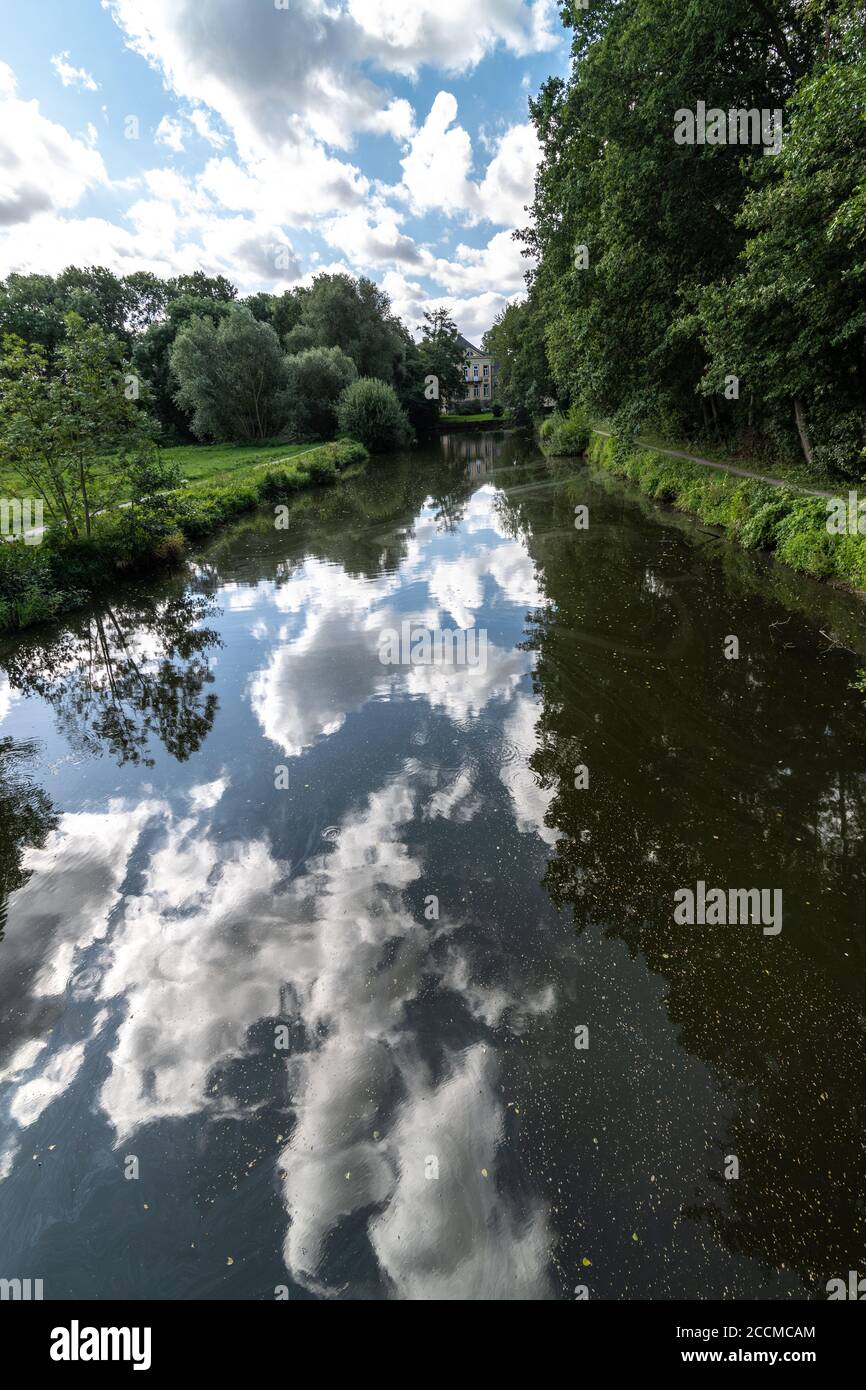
[126, 674]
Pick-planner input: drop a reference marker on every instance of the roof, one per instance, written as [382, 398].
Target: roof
[469, 348]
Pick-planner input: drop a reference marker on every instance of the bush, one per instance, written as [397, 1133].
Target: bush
[472, 407]
[317, 378]
[370, 412]
[565, 435]
[497, 409]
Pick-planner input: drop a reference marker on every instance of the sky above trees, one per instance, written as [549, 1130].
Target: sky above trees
[269, 143]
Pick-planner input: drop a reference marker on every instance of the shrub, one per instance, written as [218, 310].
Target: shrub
[565, 435]
[370, 412]
[317, 378]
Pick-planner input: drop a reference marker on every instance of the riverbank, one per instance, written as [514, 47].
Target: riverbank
[41, 581]
[759, 513]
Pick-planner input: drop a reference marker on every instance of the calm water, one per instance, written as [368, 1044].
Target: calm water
[318, 1040]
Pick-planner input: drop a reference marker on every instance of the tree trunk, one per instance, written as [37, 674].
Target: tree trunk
[802, 430]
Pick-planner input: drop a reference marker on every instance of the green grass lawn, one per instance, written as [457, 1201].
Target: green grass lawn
[467, 419]
[225, 463]
[200, 463]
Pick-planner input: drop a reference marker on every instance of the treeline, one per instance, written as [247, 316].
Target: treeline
[708, 290]
[210, 366]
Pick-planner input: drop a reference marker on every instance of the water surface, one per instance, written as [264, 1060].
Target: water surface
[296, 944]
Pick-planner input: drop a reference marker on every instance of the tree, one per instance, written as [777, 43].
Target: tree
[355, 315]
[441, 358]
[626, 221]
[370, 412]
[152, 357]
[316, 379]
[517, 342]
[56, 426]
[232, 377]
[789, 321]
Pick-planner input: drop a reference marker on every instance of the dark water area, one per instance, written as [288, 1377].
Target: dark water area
[300, 950]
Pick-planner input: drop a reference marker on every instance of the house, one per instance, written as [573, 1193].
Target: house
[479, 373]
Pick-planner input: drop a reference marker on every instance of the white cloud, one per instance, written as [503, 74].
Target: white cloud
[71, 76]
[42, 166]
[437, 167]
[199, 119]
[170, 132]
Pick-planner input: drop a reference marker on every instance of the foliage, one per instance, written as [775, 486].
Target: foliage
[565, 435]
[55, 424]
[665, 269]
[370, 412]
[354, 315]
[316, 379]
[232, 377]
[517, 341]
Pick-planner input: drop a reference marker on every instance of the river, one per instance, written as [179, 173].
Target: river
[326, 978]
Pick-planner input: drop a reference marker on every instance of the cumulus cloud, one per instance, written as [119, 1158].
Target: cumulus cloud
[42, 166]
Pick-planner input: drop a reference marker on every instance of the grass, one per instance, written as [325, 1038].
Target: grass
[40, 582]
[199, 463]
[757, 515]
[224, 463]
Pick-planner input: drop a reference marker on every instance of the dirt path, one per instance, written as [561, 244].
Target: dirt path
[728, 468]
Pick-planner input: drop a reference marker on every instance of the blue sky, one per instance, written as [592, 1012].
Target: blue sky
[269, 139]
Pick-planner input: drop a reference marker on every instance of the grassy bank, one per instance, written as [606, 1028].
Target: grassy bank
[199, 463]
[755, 514]
[40, 582]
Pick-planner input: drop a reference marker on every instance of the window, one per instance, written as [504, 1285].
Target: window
[475, 371]
[466, 373]
[486, 370]
[476, 392]
[487, 388]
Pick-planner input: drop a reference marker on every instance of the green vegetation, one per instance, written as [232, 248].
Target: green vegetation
[566, 435]
[757, 515]
[103, 379]
[702, 290]
[369, 410]
[232, 377]
[39, 582]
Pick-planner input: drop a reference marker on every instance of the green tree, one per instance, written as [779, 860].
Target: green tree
[316, 379]
[152, 358]
[790, 321]
[370, 411]
[441, 358]
[232, 377]
[355, 315]
[57, 426]
[517, 342]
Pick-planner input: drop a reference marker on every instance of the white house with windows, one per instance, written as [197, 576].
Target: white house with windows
[479, 373]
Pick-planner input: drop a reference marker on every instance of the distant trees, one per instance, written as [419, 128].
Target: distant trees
[354, 315]
[442, 359]
[210, 366]
[232, 377]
